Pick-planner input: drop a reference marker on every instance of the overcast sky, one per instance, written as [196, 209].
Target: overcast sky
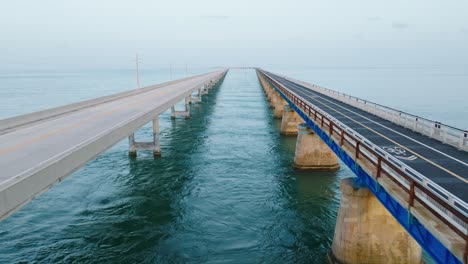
[100, 34]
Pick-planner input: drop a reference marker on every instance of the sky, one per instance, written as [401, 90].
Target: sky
[106, 34]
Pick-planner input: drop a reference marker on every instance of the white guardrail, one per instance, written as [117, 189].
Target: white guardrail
[450, 199]
[444, 133]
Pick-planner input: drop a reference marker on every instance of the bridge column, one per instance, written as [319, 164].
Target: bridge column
[154, 146]
[270, 93]
[274, 97]
[267, 90]
[157, 148]
[366, 232]
[205, 89]
[132, 151]
[289, 121]
[312, 153]
[279, 106]
[198, 98]
[185, 113]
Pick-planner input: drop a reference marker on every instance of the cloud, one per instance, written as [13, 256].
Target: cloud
[216, 17]
[399, 25]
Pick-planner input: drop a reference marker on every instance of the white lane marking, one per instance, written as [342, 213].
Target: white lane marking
[396, 132]
[399, 152]
[396, 143]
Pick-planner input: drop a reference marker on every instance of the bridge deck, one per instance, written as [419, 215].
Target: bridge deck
[35, 155]
[443, 164]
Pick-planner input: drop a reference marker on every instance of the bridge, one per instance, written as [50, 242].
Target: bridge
[39, 149]
[416, 168]
[409, 192]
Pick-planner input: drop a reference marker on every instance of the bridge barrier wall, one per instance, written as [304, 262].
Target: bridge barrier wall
[13, 122]
[444, 133]
[20, 190]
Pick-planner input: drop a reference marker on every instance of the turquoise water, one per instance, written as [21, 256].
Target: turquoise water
[224, 190]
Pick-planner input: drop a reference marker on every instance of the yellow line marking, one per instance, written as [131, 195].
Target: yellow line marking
[396, 143]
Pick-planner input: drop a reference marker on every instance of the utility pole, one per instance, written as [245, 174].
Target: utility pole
[137, 71]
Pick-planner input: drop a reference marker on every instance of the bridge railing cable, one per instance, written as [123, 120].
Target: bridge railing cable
[420, 191]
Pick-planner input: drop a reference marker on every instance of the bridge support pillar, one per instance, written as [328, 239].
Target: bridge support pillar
[205, 89]
[154, 146]
[312, 153]
[279, 106]
[274, 98]
[198, 98]
[366, 232]
[265, 88]
[270, 92]
[289, 121]
[211, 85]
[185, 113]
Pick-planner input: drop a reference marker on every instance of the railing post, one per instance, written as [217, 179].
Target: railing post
[358, 144]
[463, 139]
[342, 137]
[411, 194]
[379, 167]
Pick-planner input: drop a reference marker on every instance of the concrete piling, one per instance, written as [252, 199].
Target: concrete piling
[312, 153]
[157, 148]
[185, 113]
[289, 121]
[132, 152]
[134, 146]
[278, 106]
[366, 232]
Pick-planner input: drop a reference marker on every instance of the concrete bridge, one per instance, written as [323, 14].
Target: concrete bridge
[39, 149]
[410, 191]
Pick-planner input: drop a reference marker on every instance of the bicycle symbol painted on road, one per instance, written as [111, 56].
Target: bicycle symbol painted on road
[399, 152]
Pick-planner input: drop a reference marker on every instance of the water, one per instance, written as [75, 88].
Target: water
[224, 190]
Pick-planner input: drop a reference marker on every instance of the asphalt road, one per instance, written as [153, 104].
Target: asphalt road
[33, 157]
[443, 164]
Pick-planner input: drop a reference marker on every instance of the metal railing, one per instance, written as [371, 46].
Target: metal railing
[444, 133]
[448, 208]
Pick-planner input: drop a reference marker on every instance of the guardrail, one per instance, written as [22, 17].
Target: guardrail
[444, 133]
[448, 208]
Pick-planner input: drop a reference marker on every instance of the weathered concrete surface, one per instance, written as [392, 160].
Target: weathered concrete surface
[450, 239]
[366, 232]
[270, 92]
[134, 146]
[312, 153]
[289, 121]
[35, 156]
[278, 106]
[185, 113]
